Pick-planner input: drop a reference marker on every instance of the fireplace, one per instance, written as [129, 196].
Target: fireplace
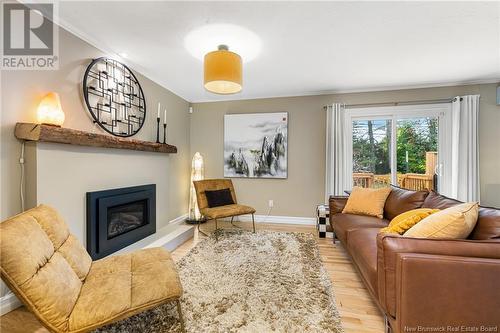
[119, 217]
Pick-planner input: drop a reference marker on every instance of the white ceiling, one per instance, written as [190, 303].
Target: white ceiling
[307, 47]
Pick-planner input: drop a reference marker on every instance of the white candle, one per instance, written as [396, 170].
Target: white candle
[158, 116]
[165, 117]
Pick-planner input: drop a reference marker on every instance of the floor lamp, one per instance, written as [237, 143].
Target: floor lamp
[197, 173]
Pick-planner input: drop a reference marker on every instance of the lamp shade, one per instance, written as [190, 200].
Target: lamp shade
[50, 111]
[223, 71]
[197, 173]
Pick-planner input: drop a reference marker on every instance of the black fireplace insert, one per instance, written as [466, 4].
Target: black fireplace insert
[119, 217]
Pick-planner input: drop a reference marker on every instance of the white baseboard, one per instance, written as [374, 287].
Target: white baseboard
[279, 219]
[262, 219]
[8, 302]
[179, 219]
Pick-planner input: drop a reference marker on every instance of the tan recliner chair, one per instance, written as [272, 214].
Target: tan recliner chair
[53, 275]
[215, 213]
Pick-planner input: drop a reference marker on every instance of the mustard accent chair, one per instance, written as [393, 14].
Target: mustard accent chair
[215, 213]
[50, 271]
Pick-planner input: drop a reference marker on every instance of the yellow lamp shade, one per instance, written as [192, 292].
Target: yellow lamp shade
[50, 111]
[223, 71]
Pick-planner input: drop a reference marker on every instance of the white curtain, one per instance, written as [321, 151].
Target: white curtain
[336, 159]
[464, 166]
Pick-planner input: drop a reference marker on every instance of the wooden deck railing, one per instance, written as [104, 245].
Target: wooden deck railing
[417, 182]
[363, 179]
[411, 181]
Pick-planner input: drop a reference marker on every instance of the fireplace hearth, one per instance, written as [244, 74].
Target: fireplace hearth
[119, 217]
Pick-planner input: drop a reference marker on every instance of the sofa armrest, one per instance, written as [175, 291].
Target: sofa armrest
[446, 291]
[389, 246]
[337, 204]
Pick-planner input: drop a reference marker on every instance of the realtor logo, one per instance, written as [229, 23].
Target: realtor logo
[29, 36]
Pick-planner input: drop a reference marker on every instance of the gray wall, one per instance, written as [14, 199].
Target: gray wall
[60, 175]
[304, 188]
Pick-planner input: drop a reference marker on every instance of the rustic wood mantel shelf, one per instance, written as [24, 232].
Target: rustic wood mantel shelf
[48, 133]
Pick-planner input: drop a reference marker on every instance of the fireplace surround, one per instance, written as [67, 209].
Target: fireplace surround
[119, 217]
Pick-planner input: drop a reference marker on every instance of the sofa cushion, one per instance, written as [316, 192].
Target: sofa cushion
[343, 223]
[122, 285]
[404, 221]
[488, 222]
[455, 222]
[367, 201]
[401, 200]
[436, 200]
[362, 245]
[218, 198]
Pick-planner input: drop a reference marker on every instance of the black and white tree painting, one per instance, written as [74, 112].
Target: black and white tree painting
[256, 145]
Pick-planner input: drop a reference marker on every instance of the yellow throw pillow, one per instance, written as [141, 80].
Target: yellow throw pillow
[367, 201]
[404, 221]
[455, 222]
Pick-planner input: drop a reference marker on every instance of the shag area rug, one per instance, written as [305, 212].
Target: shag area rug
[246, 282]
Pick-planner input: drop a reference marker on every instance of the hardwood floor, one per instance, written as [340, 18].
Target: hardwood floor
[358, 312]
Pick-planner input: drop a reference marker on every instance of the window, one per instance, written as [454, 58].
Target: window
[371, 152]
[400, 145]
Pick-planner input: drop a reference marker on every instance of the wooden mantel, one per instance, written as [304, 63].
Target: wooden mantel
[47, 133]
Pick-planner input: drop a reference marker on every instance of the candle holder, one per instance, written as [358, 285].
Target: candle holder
[157, 129]
[164, 133]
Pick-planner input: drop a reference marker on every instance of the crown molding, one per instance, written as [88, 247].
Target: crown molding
[353, 91]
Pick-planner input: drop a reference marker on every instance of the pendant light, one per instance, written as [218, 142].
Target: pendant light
[223, 71]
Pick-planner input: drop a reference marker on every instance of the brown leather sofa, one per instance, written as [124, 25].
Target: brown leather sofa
[424, 285]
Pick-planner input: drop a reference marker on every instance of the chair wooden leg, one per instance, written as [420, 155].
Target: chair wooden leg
[216, 225]
[253, 223]
[181, 317]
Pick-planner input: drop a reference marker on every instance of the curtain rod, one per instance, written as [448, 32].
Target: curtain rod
[430, 101]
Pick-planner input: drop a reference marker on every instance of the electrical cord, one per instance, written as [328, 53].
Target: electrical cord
[21, 186]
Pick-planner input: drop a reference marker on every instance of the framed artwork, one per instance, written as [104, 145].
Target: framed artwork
[256, 145]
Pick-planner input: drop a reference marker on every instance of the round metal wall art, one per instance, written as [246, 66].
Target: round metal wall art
[114, 97]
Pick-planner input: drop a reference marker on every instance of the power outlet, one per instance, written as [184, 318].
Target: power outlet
[271, 203]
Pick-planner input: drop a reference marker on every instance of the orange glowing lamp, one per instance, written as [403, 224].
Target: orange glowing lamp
[49, 110]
